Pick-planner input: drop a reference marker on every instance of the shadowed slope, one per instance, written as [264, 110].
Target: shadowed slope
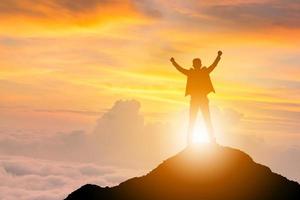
[206, 172]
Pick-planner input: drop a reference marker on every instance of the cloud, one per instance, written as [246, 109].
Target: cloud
[120, 137]
[121, 145]
[27, 178]
[40, 9]
[149, 7]
[258, 15]
[80, 112]
[247, 15]
[240, 13]
[123, 135]
[67, 16]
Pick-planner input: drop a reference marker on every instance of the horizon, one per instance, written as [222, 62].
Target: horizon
[80, 79]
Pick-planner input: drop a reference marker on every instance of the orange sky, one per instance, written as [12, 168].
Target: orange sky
[59, 57]
[64, 64]
[121, 49]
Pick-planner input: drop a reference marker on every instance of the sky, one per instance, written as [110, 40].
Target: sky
[82, 78]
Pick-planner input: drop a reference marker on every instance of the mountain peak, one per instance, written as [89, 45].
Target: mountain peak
[200, 172]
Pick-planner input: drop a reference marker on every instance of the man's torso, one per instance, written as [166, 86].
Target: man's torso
[198, 83]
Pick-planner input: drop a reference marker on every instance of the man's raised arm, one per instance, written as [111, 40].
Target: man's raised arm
[178, 67]
[215, 63]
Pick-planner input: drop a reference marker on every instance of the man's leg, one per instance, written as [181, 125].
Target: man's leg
[194, 106]
[207, 119]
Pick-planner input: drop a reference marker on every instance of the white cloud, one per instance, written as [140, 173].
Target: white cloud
[50, 166]
[27, 178]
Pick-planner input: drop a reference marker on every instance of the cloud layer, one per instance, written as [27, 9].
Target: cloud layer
[254, 14]
[56, 17]
[120, 146]
[34, 179]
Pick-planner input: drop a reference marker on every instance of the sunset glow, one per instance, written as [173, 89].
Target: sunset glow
[200, 135]
[90, 82]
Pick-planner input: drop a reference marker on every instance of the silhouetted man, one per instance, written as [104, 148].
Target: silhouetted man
[198, 87]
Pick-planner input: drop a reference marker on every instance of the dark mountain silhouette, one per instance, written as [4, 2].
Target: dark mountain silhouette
[206, 172]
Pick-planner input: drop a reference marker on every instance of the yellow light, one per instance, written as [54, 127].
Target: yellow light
[200, 134]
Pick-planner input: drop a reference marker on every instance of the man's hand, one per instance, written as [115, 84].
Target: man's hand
[220, 53]
[172, 60]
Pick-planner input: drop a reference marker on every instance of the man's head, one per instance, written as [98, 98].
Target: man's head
[197, 63]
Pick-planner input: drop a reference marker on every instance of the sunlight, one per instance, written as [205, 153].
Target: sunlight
[200, 134]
